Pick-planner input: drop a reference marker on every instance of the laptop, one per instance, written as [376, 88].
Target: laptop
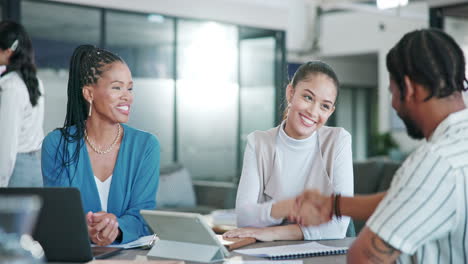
[61, 225]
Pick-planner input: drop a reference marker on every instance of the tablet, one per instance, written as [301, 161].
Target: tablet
[184, 236]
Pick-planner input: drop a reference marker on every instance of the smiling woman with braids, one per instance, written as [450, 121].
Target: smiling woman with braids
[115, 167]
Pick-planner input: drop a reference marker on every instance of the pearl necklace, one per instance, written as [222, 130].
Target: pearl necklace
[105, 151]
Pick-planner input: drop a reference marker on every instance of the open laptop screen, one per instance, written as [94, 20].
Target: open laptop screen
[61, 225]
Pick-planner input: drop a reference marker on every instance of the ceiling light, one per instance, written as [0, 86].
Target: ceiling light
[155, 18]
[384, 4]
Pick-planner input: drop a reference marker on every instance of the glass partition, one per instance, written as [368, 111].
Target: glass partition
[56, 30]
[207, 98]
[257, 92]
[353, 112]
[457, 27]
[200, 86]
[146, 43]
[453, 19]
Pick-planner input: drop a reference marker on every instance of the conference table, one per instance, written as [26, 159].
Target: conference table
[139, 255]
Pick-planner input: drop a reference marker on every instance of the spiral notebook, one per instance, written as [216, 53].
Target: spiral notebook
[304, 250]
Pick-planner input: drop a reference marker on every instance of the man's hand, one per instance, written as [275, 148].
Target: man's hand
[103, 228]
[312, 208]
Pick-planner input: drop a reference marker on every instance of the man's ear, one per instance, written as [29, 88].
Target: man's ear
[88, 92]
[410, 89]
[289, 92]
[415, 90]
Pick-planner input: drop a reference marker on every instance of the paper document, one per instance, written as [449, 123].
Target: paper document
[141, 242]
[241, 261]
[121, 261]
[298, 250]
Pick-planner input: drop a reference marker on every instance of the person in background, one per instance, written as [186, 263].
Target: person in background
[115, 167]
[300, 153]
[21, 110]
[423, 217]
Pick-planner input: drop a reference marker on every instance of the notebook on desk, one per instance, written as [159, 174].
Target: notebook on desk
[61, 225]
[309, 249]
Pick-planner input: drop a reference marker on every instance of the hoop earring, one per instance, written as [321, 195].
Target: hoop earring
[90, 107]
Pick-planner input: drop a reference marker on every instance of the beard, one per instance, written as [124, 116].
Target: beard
[411, 128]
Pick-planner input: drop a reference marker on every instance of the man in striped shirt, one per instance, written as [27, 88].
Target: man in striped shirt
[423, 218]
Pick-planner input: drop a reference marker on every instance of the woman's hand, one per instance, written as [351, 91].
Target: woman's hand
[271, 233]
[261, 234]
[103, 228]
[282, 209]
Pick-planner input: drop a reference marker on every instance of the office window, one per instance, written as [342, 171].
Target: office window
[362, 129]
[353, 112]
[146, 43]
[457, 27]
[343, 112]
[207, 98]
[56, 30]
[187, 76]
[454, 20]
[257, 91]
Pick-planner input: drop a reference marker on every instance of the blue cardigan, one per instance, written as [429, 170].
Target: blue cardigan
[134, 181]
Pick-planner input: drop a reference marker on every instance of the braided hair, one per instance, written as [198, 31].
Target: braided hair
[87, 64]
[22, 58]
[431, 58]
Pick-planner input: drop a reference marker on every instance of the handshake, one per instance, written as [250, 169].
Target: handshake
[312, 208]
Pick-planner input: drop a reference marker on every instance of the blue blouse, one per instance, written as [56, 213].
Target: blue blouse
[134, 180]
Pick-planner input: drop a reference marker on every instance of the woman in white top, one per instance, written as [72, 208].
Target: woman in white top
[300, 154]
[21, 110]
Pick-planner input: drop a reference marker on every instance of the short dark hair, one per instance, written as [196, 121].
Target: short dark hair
[429, 57]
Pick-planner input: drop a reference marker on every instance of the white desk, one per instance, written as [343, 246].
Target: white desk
[138, 254]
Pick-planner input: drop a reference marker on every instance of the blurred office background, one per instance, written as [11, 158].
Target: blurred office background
[209, 72]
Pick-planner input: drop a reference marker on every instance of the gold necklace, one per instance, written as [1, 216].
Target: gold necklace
[105, 151]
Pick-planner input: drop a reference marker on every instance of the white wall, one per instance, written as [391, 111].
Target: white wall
[271, 14]
[357, 70]
[293, 16]
[361, 32]
[342, 33]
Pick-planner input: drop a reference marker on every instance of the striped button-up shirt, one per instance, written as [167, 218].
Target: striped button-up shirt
[425, 212]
